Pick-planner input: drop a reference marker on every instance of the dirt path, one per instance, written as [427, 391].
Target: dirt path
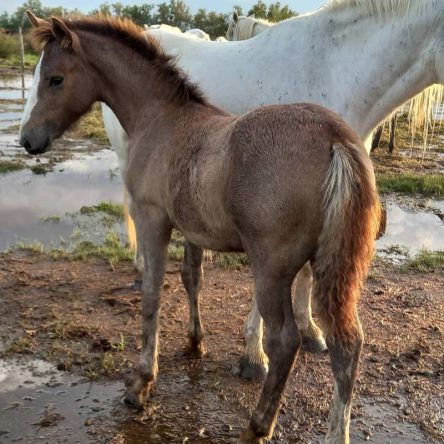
[82, 317]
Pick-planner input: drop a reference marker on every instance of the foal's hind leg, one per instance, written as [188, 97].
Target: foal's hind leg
[254, 363]
[192, 280]
[344, 363]
[273, 295]
[312, 338]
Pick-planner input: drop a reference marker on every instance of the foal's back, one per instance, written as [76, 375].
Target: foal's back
[279, 161]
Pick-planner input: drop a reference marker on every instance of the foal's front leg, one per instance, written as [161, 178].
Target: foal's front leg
[192, 280]
[154, 230]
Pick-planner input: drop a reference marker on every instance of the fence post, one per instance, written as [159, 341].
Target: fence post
[22, 53]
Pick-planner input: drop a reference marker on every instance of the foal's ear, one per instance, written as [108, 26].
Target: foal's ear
[62, 34]
[34, 19]
[252, 16]
[235, 17]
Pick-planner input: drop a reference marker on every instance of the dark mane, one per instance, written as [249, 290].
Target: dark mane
[129, 34]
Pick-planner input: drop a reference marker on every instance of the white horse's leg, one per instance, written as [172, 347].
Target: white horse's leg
[254, 363]
[312, 337]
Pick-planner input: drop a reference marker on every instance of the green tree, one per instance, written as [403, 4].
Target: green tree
[213, 23]
[174, 13]
[140, 15]
[259, 10]
[276, 13]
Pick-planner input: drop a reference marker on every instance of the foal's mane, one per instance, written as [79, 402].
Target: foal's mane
[134, 37]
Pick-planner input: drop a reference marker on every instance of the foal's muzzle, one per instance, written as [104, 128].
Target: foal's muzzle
[35, 142]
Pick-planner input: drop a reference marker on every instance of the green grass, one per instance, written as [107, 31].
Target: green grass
[426, 261]
[41, 168]
[14, 60]
[53, 218]
[231, 261]
[90, 126]
[431, 185]
[8, 167]
[111, 250]
[109, 208]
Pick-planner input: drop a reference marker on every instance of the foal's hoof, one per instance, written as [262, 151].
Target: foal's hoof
[315, 345]
[250, 370]
[195, 350]
[248, 437]
[134, 400]
[137, 285]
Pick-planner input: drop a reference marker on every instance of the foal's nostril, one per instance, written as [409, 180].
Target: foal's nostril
[24, 142]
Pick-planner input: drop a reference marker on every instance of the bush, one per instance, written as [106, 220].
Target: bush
[9, 45]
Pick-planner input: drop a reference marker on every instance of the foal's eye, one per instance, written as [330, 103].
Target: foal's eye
[56, 81]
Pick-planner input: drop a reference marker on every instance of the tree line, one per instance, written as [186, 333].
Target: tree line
[174, 13]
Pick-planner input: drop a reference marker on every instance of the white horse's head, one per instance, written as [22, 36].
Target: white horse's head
[230, 31]
[243, 28]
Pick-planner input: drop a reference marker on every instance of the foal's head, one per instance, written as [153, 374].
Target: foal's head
[63, 88]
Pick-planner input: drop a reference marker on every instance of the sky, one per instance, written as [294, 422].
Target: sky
[300, 6]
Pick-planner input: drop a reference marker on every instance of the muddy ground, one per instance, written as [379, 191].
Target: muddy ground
[83, 317]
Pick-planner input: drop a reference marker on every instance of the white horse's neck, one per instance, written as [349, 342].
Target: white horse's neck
[358, 63]
[396, 61]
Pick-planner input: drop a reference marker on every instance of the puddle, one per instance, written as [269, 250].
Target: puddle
[27, 198]
[11, 87]
[70, 403]
[381, 422]
[91, 412]
[413, 230]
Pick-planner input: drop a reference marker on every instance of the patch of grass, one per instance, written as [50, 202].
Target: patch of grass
[20, 345]
[111, 250]
[41, 168]
[231, 261]
[426, 261]
[108, 363]
[431, 185]
[34, 246]
[175, 252]
[53, 218]
[14, 60]
[7, 166]
[9, 45]
[91, 374]
[90, 126]
[109, 208]
[120, 345]
[396, 249]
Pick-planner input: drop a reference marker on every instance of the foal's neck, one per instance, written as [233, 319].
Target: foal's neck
[130, 85]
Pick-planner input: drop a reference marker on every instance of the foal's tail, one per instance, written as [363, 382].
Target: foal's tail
[345, 246]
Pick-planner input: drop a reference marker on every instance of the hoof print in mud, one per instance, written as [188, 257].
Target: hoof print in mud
[250, 371]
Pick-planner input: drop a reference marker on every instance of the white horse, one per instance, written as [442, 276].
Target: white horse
[242, 27]
[360, 58]
[198, 33]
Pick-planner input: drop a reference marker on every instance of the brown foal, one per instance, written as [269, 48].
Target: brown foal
[286, 184]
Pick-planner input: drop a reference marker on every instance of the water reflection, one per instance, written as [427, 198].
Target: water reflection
[414, 230]
[26, 198]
